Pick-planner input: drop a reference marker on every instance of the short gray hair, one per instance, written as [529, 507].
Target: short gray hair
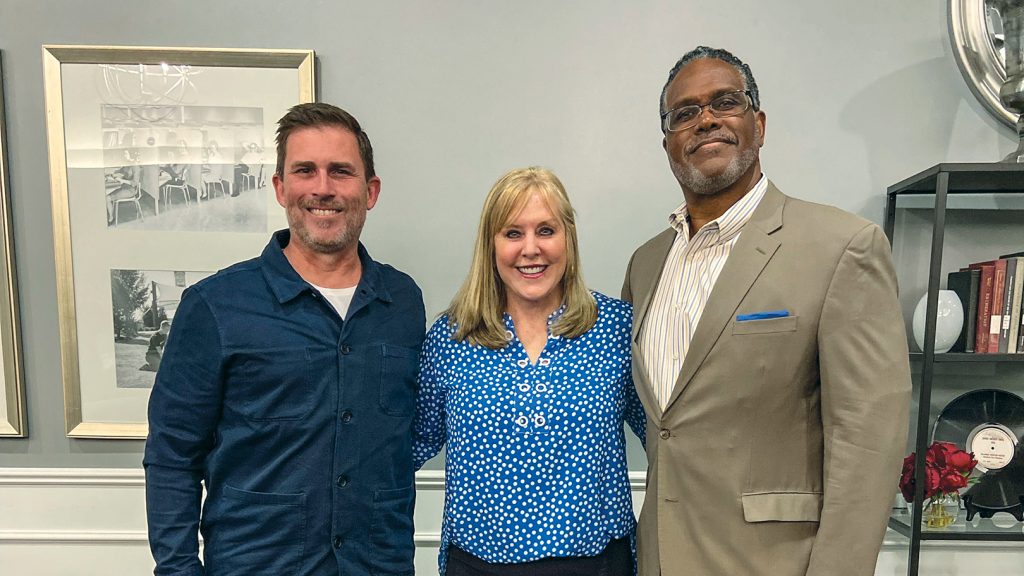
[701, 52]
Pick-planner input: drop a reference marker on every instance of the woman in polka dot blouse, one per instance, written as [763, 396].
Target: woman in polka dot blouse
[526, 379]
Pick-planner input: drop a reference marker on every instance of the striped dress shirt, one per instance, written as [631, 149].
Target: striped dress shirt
[691, 270]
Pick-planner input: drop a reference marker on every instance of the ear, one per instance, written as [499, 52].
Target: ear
[664, 142]
[278, 188]
[372, 192]
[760, 120]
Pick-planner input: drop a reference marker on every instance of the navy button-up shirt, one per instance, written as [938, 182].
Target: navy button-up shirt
[297, 421]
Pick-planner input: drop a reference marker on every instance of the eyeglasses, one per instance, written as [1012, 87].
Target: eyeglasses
[724, 106]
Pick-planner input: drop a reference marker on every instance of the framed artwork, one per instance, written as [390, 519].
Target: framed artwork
[12, 398]
[160, 168]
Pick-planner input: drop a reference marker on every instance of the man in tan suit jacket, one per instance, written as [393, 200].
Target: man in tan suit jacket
[771, 358]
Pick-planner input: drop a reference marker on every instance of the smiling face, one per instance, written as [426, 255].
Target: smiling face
[717, 152]
[530, 255]
[324, 190]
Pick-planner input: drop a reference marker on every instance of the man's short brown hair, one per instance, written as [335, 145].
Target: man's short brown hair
[316, 115]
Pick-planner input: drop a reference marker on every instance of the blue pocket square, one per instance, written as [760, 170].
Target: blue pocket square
[762, 315]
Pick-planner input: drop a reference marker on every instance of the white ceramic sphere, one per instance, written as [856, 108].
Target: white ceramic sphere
[948, 324]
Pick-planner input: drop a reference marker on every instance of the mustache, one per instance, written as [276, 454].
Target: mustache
[719, 135]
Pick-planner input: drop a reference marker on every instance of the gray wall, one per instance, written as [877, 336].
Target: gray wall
[858, 95]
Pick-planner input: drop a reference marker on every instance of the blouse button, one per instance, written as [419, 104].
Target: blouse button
[524, 387]
[522, 421]
[522, 363]
[544, 361]
[539, 420]
[542, 387]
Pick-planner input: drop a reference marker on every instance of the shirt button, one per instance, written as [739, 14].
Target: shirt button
[539, 421]
[345, 349]
[664, 434]
[342, 481]
[542, 387]
[337, 541]
[544, 361]
[522, 421]
[522, 363]
[524, 387]
[346, 416]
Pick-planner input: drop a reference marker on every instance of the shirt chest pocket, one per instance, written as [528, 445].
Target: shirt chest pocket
[399, 367]
[273, 384]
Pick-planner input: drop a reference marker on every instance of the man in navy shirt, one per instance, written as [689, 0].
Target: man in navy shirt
[286, 387]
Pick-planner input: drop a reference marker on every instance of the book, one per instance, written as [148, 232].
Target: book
[984, 318]
[1020, 326]
[1013, 346]
[1008, 297]
[965, 284]
[998, 288]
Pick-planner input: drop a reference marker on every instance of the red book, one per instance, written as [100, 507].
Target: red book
[998, 294]
[984, 323]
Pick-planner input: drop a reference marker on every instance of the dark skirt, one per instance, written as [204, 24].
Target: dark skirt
[614, 560]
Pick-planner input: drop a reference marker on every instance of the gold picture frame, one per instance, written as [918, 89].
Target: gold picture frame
[12, 401]
[180, 141]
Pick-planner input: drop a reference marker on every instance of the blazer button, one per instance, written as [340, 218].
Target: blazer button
[337, 542]
[345, 349]
[346, 416]
[664, 434]
[342, 481]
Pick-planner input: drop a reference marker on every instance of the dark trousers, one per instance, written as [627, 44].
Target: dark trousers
[614, 560]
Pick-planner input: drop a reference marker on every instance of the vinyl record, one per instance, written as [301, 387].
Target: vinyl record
[989, 423]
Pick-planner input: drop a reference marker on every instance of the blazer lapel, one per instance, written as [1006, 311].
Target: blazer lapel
[650, 270]
[749, 256]
[651, 267]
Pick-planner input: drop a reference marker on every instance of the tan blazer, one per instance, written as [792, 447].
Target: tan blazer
[779, 451]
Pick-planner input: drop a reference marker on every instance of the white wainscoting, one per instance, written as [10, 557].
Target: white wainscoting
[92, 522]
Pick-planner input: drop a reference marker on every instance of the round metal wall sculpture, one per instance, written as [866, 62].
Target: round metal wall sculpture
[987, 44]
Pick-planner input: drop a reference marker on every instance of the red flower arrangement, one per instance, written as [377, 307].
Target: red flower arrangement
[947, 469]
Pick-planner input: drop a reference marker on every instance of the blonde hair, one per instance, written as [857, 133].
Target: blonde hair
[476, 312]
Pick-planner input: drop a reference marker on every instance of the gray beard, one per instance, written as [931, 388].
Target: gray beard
[345, 238]
[694, 181]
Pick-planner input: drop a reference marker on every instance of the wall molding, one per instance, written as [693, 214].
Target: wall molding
[96, 509]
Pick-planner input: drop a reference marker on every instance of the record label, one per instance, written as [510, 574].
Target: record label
[993, 446]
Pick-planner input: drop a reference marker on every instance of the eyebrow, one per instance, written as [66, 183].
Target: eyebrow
[554, 223]
[332, 166]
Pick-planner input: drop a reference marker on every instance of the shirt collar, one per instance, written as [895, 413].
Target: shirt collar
[730, 223]
[552, 318]
[286, 283]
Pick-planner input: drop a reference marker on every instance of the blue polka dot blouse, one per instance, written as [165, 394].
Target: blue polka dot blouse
[536, 457]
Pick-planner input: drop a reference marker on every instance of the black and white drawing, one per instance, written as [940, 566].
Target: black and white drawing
[144, 303]
[185, 167]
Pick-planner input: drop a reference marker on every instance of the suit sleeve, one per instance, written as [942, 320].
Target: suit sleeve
[865, 397]
[184, 409]
[627, 288]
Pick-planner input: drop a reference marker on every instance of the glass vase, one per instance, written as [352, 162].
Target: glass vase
[941, 511]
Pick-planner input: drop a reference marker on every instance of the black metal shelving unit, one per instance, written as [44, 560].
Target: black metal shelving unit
[940, 188]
